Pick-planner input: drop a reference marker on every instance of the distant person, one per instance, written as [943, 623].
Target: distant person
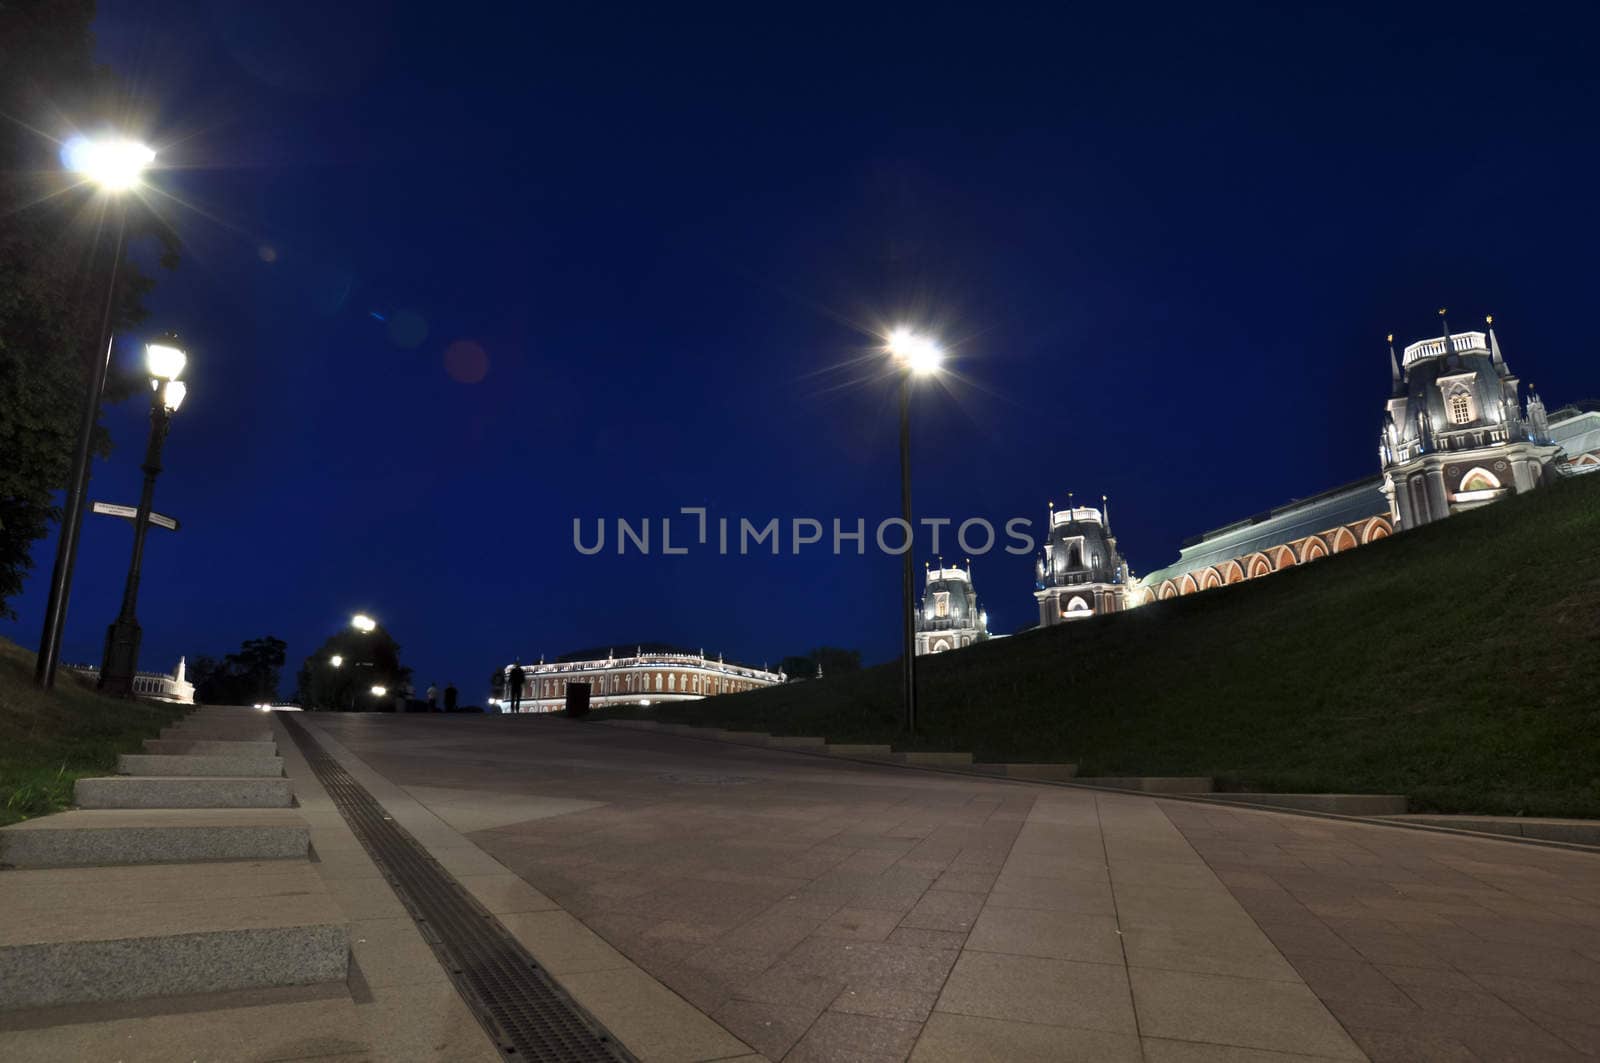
[450, 698]
[515, 681]
[433, 698]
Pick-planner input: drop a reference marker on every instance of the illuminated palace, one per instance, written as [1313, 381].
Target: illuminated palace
[1455, 434]
[1079, 573]
[643, 679]
[950, 617]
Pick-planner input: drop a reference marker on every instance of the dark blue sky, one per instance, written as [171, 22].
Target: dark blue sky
[1164, 245]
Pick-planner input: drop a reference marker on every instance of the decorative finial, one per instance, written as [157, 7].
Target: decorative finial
[1442, 311]
[1488, 319]
[1391, 337]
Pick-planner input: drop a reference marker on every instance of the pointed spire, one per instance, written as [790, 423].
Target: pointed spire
[1494, 347]
[1449, 347]
[1394, 368]
[1105, 513]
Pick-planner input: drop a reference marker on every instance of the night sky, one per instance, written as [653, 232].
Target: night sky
[455, 275]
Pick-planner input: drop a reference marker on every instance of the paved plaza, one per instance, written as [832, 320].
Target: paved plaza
[825, 910]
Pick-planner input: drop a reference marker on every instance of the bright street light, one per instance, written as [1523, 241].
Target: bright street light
[113, 163]
[172, 393]
[379, 692]
[363, 623]
[164, 361]
[336, 660]
[920, 355]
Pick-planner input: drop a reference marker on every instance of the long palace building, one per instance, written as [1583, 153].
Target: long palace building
[1456, 434]
[643, 679]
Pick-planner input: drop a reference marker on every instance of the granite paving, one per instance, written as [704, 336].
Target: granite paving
[826, 910]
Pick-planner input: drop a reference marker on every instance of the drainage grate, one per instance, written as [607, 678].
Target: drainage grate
[526, 1014]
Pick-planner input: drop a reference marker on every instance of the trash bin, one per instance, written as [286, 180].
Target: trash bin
[577, 699]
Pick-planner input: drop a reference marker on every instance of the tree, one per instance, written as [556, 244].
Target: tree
[832, 660]
[248, 677]
[797, 668]
[366, 660]
[52, 280]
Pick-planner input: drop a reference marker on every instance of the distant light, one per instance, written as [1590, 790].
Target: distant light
[379, 691]
[113, 163]
[164, 361]
[645, 702]
[363, 623]
[336, 660]
[917, 353]
[172, 394]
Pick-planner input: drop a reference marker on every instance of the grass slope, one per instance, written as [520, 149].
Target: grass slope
[50, 739]
[1458, 664]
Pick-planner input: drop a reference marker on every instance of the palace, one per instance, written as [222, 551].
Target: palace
[175, 689]
[950, 616]
[1079, 573]
[1455, 435]
[643, 679]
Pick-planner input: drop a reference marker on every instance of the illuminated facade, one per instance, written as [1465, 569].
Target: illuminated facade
[1456, 435]
[950, 617]
[174, 689]
[1079, 573]
[643, 679]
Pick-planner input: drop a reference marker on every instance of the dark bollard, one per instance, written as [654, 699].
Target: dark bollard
[577, 699]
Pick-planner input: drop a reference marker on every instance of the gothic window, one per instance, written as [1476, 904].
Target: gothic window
[1460, 408]
[941, 603]
[1479, 479]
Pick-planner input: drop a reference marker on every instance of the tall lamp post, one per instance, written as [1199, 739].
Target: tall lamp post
[165, 361]
[113, 166]
[915, 356]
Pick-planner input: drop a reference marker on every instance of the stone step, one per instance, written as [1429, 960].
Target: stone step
[208, 746]
[1343, 804]
[934, 759]
[854, 749]
[246, 732]
[749, 738]
[1154, 784]
[1574, 831]
[214, 764]
[87, 935]
[794, 742]
[1047, 772]
[176, 791]
[100, 837]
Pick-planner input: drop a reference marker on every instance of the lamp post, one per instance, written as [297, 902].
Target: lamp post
[113, 166]
[915, 356]
[165, 361]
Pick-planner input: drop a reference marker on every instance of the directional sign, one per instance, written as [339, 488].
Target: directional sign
[111, 509]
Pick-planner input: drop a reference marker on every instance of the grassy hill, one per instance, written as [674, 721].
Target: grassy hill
[1458, 664]
[49, 739]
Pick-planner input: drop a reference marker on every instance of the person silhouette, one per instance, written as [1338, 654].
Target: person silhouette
[450, 694]
[433, 698]
[515, 681]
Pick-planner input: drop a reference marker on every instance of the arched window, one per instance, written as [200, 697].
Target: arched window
[658, 681]
[1479, 479]
[1460, 408]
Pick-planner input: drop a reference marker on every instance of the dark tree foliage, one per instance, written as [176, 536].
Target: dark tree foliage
[366, 660]
[797, 668]
[248, 677]
[832, 660]
[52, 266]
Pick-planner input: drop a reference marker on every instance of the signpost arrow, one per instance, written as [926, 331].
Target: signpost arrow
[128, 513]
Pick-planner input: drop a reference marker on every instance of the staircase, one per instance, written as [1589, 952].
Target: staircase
[186, 872]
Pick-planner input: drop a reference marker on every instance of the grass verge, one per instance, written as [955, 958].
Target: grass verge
[50, 739]
[1458, 664]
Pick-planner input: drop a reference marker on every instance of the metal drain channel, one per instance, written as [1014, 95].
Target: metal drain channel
[525, 1013]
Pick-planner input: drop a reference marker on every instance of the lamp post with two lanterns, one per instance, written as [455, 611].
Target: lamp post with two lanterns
[165, 361]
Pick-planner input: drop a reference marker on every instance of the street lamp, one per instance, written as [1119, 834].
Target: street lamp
[164, 360]
[336, 660]
[363, 623]
[915, 356]
[112, 166]
[379, 691]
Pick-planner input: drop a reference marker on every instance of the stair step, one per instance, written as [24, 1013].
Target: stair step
[84, 935]
[795, 742]
[210, 746]
[1343, 804]
[1155, 784]
[246, 732]
[176, 791]
[932, 759]
[1051, 772]
[103, 837]
[852, 749]
[214, 764]
[749, 738]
